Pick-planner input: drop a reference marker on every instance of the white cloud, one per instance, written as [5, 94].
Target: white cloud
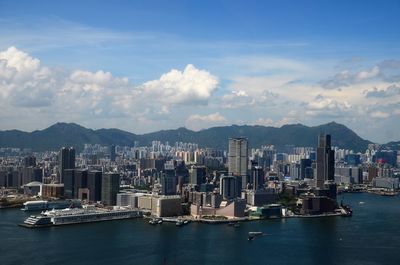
[380, 115]
[197, 122]
[190, 86]
[23, 81]
[368, 73]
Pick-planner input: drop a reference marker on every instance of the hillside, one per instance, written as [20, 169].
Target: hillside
[70, 134]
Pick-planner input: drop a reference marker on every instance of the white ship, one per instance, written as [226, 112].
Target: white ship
[48, 205]
[87, 214]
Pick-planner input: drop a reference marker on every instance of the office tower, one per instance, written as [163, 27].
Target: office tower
[112, 153]
[238, 156]
[257, 174]
[305, 167]
[168, 180]
[66, 160]
[197, 175]
[110, 188]
[69, 180]
[94, 185]
[325, 161]
[80, 181]
[230, 186]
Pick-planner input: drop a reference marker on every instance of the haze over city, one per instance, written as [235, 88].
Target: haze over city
[134, 66]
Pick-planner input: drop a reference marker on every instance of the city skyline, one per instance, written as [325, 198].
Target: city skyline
[200, 65]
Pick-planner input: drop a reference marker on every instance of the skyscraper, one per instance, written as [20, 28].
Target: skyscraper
[197, 175]
[168, 179]
[257, 177]
[110, 188]
[94, 185]
[67, 160]
[229, 187]
[112, 153]
[238, 156]
[325, 161]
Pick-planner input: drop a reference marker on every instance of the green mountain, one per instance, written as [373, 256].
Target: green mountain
[70, 134]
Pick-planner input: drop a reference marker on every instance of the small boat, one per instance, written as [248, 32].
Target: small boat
[361, 202]
[236, 225]
[255, 233]
[250, 238]
[179, 223]
[155, 221]
[185, 222]
[231, 224]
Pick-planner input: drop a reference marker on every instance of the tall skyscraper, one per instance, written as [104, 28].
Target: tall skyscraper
[238, 156]
[257, 177]
[112, 153]
[325, 161]
[168, 179]
[67, 160]
[69, 183]
[94, 185]
[110, 188]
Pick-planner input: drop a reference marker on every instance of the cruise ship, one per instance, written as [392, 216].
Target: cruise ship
[87, 214]
[49, 205]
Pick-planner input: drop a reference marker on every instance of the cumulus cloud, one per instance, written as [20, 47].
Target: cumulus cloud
[328, 107]
[390, 91]
[190, 86]
[346, 78]
[197, 122]
[79, 94]
[23, 81]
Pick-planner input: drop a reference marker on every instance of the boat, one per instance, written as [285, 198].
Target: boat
[185, 222]
[49, 205]
[255, 233]
[250, 238]
[231, 224]
[156, 221]
[236, 225]
[179, 223]
[87, 214]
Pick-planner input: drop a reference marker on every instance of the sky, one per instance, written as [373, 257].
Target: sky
[144, 66]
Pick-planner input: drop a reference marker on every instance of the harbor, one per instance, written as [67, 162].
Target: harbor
[147, 244]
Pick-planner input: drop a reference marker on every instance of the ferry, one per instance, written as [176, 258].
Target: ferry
[87, 214]
[49, 205]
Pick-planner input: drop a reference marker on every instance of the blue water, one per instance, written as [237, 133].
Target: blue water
[371, 236]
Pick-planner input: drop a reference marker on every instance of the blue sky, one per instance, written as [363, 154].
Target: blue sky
[149, 65]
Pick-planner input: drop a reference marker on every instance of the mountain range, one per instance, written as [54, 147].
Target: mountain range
[71, 134]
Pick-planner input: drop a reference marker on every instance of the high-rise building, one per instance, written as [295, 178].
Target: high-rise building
[238, 156]
[325, 161]
[305, 163]
[110, 188]
[94, 185]
[257, 174]
[112, 153]
[230, 187]
[197, 175]
[80, 181]
[168, 180]
[69, 183]
[66, 160]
